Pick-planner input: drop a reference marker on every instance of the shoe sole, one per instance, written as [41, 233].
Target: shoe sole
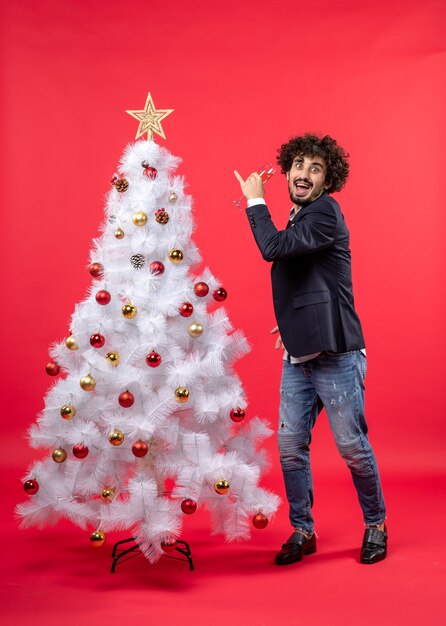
[306, 553]
[381, 558]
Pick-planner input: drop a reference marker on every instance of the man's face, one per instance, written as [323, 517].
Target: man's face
[306, 179]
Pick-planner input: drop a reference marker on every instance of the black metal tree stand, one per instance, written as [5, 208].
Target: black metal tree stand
[120, 555]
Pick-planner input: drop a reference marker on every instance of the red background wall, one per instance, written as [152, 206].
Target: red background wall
[242, 78]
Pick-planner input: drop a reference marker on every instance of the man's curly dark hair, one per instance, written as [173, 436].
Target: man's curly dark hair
[311, 145]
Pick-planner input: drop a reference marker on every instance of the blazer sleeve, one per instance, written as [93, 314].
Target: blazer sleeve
[315, 231]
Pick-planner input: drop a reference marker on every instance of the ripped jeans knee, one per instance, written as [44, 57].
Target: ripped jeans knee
[294, 450]
[358, 455]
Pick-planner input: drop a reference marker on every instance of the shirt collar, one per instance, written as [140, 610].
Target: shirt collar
[293, 213]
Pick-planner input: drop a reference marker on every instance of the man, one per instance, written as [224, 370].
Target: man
[324, 363]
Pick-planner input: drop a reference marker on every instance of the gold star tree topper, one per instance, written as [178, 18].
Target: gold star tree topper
[150, 119]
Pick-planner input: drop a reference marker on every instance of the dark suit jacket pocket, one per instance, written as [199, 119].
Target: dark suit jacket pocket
[313, 297]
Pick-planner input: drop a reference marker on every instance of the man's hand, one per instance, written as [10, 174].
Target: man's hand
[252, 187]
[279, 342]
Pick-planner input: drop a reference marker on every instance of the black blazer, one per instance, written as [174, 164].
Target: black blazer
[311, 277]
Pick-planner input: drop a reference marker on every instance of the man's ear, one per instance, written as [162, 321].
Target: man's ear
[288, 176]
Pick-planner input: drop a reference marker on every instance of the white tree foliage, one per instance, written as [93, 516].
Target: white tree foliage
[195, 443]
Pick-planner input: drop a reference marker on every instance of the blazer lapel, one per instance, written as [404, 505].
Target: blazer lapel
[300, 213]
[305, 209]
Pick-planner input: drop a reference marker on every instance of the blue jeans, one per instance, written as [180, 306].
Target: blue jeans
[336, 382]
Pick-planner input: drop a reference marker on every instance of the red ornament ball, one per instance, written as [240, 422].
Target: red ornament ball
[169, 545]
[188, 506]
[52, 368]
[96, 270]
[237, 415]
[220, 294]
[201, 289]
[140, 449]
[97, 340]
[186, 309]
[156, 268]
[103, 297]
[31, 486]
[153, 359]
[260, 521]
[150, 172]
[80, 451]
[126, 399]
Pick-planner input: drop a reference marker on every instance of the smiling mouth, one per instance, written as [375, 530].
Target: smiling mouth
[302, 188]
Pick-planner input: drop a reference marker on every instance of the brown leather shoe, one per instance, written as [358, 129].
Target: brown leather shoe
[296, 547]
[374, 546]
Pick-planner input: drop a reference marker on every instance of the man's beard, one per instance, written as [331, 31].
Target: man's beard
[300, 201]
[303, 201]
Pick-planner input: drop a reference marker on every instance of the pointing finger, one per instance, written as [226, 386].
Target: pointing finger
[238, 177]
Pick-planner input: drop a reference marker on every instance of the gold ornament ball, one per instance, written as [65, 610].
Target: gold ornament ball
[221, 486]
[70, 342]
[68, 411]
[59, 455]
[195, 329]
[176, 256]
[139, 218]
[87, 382]
[107, 494]
[97, 538]
[119, 233]
[173, 197]
[113, 358]
[116, 437]
[182, 394]
[129, 311]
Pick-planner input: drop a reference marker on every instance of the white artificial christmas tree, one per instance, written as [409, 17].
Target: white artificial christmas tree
[148, 392]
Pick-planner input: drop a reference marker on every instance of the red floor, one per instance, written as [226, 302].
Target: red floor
[53, 576]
